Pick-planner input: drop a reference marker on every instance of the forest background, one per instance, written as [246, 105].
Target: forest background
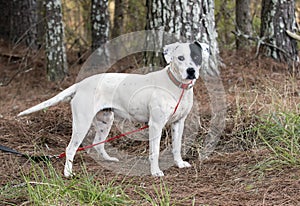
[43, 45]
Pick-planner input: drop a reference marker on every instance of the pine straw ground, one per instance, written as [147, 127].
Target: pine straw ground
[231, 176]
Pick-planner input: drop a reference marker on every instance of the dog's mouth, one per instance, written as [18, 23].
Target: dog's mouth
[191, 77]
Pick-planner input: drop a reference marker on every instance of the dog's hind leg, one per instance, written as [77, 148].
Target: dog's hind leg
[82, 120]
[103, 122]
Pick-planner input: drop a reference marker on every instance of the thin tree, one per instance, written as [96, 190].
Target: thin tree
[208, 34]
[118, 18]
[99, 23]
[55, 49]
[18, 22]
[277, 17]
[243, 23]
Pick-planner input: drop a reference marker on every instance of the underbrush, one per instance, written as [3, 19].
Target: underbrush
[42, 185]
[280, 132]
[265, 114]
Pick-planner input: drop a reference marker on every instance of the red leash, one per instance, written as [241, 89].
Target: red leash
[121, 135]
[105, 141]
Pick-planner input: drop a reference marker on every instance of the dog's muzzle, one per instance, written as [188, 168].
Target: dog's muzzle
[191, 73]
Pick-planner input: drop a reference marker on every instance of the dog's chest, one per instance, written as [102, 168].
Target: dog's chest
[182, 107]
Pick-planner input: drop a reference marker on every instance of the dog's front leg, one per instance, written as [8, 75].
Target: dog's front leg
[177, 131]
[155, 130]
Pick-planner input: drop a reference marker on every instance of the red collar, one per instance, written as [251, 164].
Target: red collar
[177, 82]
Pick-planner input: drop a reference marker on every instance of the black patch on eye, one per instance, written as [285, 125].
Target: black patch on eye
[196, 53]
[181, 58]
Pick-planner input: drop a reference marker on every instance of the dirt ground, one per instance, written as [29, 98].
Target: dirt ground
[229, 177]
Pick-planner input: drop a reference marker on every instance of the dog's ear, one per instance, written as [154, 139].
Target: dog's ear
[169, 50]
[205, 51]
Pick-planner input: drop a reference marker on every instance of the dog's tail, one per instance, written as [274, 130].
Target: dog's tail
[65, 95]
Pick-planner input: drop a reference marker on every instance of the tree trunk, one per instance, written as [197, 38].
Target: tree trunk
[208, 34]
[5, 19]
[118, 18]
[212, 80]
[158, 18]
[187, 20]
[179, 17]
[99, 22]
[243, 23]
[55, 49]
[277, 17]
[18, 22]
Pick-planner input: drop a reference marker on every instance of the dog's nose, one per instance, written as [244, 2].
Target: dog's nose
[190, 71]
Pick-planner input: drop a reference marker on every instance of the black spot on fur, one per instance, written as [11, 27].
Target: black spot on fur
[196, 53]
[108, 110]
[103, 122]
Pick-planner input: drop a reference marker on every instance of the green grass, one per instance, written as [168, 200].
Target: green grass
[280, 132]
[161, 195]
[44, 186]
[53, 189]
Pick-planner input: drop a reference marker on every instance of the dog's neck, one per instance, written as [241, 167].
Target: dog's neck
[177, 82]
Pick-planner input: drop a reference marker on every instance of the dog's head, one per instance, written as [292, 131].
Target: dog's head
[186, 59]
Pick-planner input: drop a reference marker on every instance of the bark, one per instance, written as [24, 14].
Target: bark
[32, 32]
[18, 22]
[118, 18]
[55, 49]
[5, 19]
[208, 34]
[212, 79]
[243, 23]
[179, 17]
[99, 22]
[189, 21]
[159, 17]
[277, 17]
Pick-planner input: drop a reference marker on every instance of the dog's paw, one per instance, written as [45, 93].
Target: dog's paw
[68, 174]
[112, 159]
[157, 173]
[183, 164]
[68, 169]
[106, 157]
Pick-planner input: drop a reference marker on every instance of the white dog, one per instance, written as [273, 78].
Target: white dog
[150, 98]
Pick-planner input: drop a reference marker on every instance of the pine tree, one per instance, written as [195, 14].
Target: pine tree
[243, 23]
[55, 49]
[277, 17]
[99, 23]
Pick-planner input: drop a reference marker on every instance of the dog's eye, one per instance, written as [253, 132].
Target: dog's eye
[181, 58]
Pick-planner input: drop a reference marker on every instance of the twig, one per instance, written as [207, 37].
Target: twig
[33, 183]
[8, 55]
[3, 84]
[265, 195]
[26, 203]
[293, 35]
[259, 41]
